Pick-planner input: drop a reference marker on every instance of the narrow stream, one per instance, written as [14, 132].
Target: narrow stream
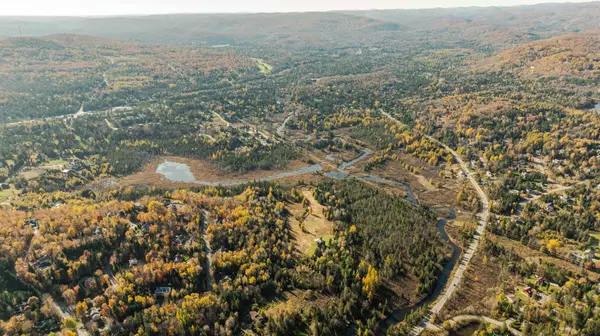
[281, 129]
[399, 315]
[180, 172]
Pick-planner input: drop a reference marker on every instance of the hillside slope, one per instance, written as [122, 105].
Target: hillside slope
[573, 55]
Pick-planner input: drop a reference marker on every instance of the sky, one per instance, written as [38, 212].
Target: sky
[124, 7]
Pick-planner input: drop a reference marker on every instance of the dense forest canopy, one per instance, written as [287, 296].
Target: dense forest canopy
[344, 173]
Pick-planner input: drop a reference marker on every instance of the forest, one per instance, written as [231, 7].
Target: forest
[343, 166]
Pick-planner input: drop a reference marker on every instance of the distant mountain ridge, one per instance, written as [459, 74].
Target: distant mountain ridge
[574, 55]
[494, 28]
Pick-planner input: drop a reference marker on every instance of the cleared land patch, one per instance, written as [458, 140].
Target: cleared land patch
[204, 171]
[295, 301]
[264, 67]
[316, 224]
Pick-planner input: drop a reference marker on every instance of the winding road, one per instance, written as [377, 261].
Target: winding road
[281, 128]
[44, 119]
[208, 264]
[482, 215]
[487, 320]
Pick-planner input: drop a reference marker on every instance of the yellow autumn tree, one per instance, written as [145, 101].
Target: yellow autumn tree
[370, 282]
[81, 309]
[552, 245]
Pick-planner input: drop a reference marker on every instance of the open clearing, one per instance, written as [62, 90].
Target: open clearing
[30, 173]
[264, 67]
[532, 255]
[297, 300]
[8, 193]
[477, 292]
[316, 225]
[204, 171]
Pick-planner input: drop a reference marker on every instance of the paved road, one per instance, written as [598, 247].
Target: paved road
[558, 189]
[63, 312]
[79, 113]
[281, 128]
[488, 320]
[208, 264]
[482, 215]
[551, 191]
[468, 253]
[221, 118]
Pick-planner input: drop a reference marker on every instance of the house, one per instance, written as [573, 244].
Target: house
[75, 165]
[33, 223]
[98, 231]
[162, 291]
[489, 174]
[133, 262]
[518, 220]
[256, 317]
[181, 239]
[549, 207]
[43, 263]
[511, 298]
[20, 307]
[528, 290]
[540, 281]
[94, 315]
[178, 258]
[576, 256]
[589, 254]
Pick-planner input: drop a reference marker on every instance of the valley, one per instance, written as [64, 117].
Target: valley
[393, 172]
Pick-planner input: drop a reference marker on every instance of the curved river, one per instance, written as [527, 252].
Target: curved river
[400, 314]
[180, 172]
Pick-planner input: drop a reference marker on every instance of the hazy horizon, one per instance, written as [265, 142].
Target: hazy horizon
[157, 7]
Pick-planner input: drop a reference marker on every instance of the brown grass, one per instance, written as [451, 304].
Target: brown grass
[483, 281]
[532, 255]
[203, 171]
[316, 224]
[478, 289]
[426, 193]
[295, 301]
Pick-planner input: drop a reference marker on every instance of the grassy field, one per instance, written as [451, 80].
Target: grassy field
[55, 163]
[316, 225]
[313, 246]
[595, 235]
[264, 67]
[4, 194]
